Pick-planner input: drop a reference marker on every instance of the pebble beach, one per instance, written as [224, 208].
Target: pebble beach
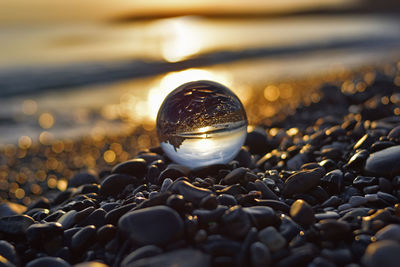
[317, 183]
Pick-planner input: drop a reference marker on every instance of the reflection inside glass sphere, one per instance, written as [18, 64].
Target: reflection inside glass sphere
[201, 123]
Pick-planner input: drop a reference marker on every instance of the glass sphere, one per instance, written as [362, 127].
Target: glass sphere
[201, 123]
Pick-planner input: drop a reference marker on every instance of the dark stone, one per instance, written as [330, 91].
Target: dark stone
[257, 141]
[15, 225]
[9, 209]
[235, 176]
[261, 216]
[333, 182]
[96, 218]
[81, 179]
[385, 185]
[320, 194]
[209, 202]
[380, 145]
[173, 171]
[106, 233]
[216, 245]
[388, 198]
[236, 222]
[259, 255]
[150, 157]
[113, 216]
[362, 181]
[265, 191]
[382, 253]
[334, 230]
[270, 237]
[133, 167]
[394, 134]
[115, 184]
[288, 227]
[141, 253]
[302, 181]
[333, 201]
[209, 170]
[389, 232]
[358, 159]
[8, 251]
[189, 192]
[208, 216]
[244, 158]
[48, 261]
[83, 239]
[275, 204]
[152, 174]
[340, 256]
[364, 142]
[41, 202]
[227, 200]
[39, 234]
[157, 225]
[176, 258]
[68, 219]
[233, 190]
[302, 213]
[384, 162]
[321, 262]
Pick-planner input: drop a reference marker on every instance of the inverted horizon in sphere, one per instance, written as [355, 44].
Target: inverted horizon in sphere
[201, 123]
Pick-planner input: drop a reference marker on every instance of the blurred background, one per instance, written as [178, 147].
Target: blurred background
[71, 67]
[82, 70]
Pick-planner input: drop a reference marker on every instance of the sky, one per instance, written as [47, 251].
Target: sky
[37, 11]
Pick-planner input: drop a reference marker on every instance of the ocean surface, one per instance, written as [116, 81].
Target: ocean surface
[67, 80]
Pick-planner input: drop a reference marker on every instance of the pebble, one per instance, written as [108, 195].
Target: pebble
[333, 201]
[261, 216]
[68, 219]
[260, 255]
[8, 251]
[181, 257]
[235, 176]
[113, 184]
[270, 237]
[15, 225]
[236, 222]
[389, 232]
[141, 253]
[334, 230]
[8, 208]
[48, 261]
[265, 191]
[40, 233]
[157, 225]
[327, 215]
[356, 201]
[384, 162]
[302, 181]
[302, 213]
[91, 264]
[83, 239]
[333, 182]
[382, 253]
[189, 192]
[134, 167]
[82, 179]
